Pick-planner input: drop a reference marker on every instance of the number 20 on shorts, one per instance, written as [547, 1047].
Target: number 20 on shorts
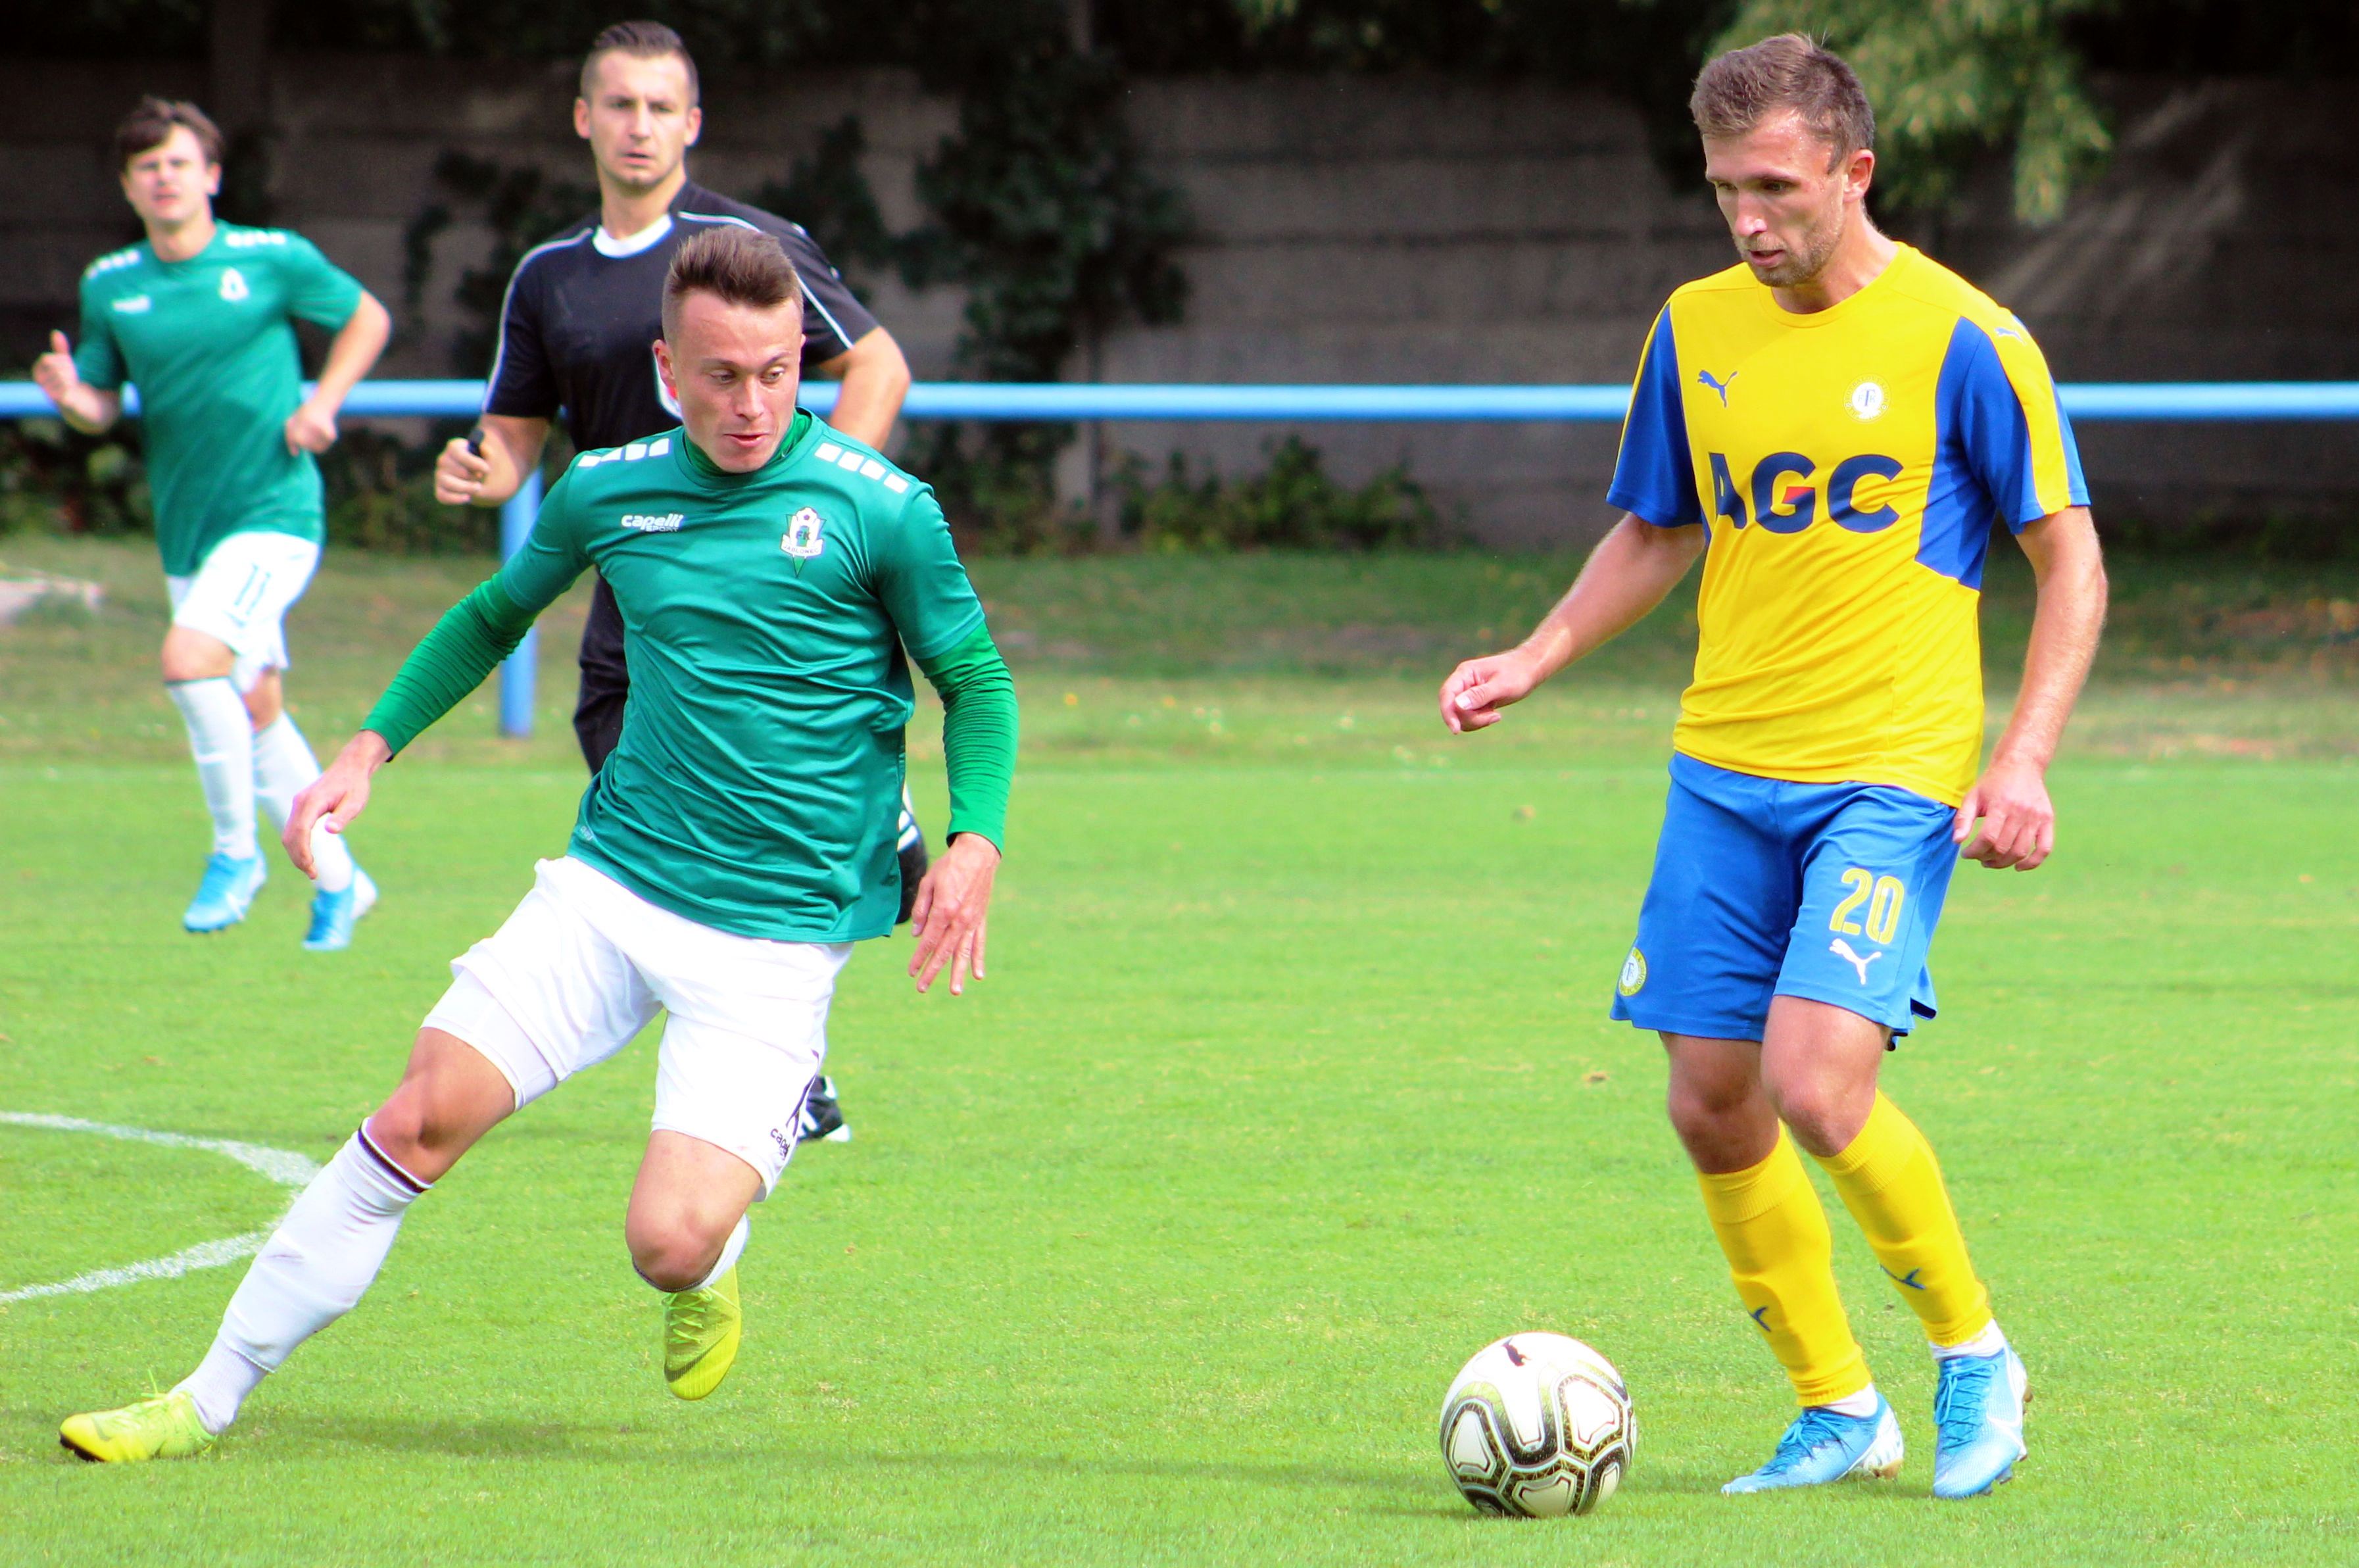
[1882, 895]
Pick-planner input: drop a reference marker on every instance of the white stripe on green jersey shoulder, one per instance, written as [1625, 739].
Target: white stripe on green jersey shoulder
[853, 460]
[630, 451]
[247, 239]
[114, 261]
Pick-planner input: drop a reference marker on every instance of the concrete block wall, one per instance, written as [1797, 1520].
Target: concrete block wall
[1401, 229]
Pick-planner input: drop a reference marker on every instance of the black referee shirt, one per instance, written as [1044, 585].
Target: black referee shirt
[578, 324]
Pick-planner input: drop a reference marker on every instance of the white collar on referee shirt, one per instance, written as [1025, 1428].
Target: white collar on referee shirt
[630, 245]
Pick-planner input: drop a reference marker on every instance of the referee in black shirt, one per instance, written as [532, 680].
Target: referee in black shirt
[577, 335]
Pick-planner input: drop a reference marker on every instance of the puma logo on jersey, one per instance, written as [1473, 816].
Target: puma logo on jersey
[648, 523]
[1704, 377]
[134, 304]
[1842, 950]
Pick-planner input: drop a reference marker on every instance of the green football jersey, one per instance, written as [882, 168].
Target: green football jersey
[210, 343]
[757, 784]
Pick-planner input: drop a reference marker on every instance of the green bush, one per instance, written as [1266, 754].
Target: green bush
[380, 494]
[54, 479]
[1292, 504]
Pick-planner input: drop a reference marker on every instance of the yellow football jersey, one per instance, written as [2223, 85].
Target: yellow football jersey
[1848, 466]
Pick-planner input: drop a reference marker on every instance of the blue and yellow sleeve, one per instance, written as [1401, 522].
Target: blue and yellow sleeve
[1997, 407]
[1654, 475]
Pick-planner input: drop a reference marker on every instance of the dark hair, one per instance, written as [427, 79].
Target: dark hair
[1744, 87]
[151, 126]
[743, 267]
[646, 40]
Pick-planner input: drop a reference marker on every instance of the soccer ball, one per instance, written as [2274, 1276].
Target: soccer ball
[1538, 1426]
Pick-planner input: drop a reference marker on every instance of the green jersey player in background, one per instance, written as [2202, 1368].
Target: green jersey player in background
[201, 317]
[770, 572]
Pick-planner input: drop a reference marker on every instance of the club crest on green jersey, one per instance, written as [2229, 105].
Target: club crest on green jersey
[802, 538]
[233, 284]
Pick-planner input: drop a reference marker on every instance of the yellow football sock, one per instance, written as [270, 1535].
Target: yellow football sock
[1892, 1185]
[1775, 1234]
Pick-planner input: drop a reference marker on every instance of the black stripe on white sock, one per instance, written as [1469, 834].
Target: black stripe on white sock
[392, 1168]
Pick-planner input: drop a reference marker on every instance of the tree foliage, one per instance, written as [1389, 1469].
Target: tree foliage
[1951, 78]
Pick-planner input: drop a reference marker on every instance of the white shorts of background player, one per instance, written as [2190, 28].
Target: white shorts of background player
[239, 597]
[584, 964]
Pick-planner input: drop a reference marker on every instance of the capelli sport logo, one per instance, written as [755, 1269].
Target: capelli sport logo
[654, 523]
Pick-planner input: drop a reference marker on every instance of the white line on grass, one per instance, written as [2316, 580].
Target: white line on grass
[285, 1167]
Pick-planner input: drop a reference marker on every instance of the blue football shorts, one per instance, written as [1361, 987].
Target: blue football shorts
[1766, 888]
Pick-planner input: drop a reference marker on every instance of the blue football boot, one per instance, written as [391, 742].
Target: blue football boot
[1979, 1408]
[334, 915]
[1824, 1446]
[226, 893]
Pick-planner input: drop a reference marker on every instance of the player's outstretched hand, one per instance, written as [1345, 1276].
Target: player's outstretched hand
[311, 428]
[335, 798]
[951, 915]
[460, 472]
[54, 370]
[2018, 820]
[1478, 689]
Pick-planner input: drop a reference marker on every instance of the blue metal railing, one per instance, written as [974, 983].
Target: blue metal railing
[2088, 402]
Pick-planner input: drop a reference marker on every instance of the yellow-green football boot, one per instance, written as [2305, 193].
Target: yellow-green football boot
[165, 1427]
[701, 1333]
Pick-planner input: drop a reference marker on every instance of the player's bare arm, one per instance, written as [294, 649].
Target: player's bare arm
[484, 469]
[84, 407]
[875, 377]
[2018, 820]
[1633, 567]
[353, 350]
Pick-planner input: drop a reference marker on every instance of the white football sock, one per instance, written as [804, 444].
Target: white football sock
[731, 1251]
[221, 737]
[283, 767]
[1859, 1406]
[310, 1272]
[1990, 1341]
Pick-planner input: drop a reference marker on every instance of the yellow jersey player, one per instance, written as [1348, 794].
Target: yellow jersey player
[1834, 423]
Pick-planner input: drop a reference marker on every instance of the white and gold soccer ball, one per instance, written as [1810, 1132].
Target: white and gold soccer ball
[1538, 1426]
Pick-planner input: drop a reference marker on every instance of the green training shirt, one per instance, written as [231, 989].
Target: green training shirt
[210, 342]
[756, 788]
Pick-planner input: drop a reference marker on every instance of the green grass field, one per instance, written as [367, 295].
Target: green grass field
[1291, 1087]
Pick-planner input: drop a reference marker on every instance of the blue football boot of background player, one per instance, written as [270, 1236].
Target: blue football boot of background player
[226, 893]
[1824, 1445]
[334, 915]
[1978, 1406]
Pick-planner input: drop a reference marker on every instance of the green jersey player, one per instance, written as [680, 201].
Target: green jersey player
[770, 573]
[200, 316]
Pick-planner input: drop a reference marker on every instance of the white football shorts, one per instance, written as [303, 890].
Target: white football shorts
[241, 595]
[584, 963]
